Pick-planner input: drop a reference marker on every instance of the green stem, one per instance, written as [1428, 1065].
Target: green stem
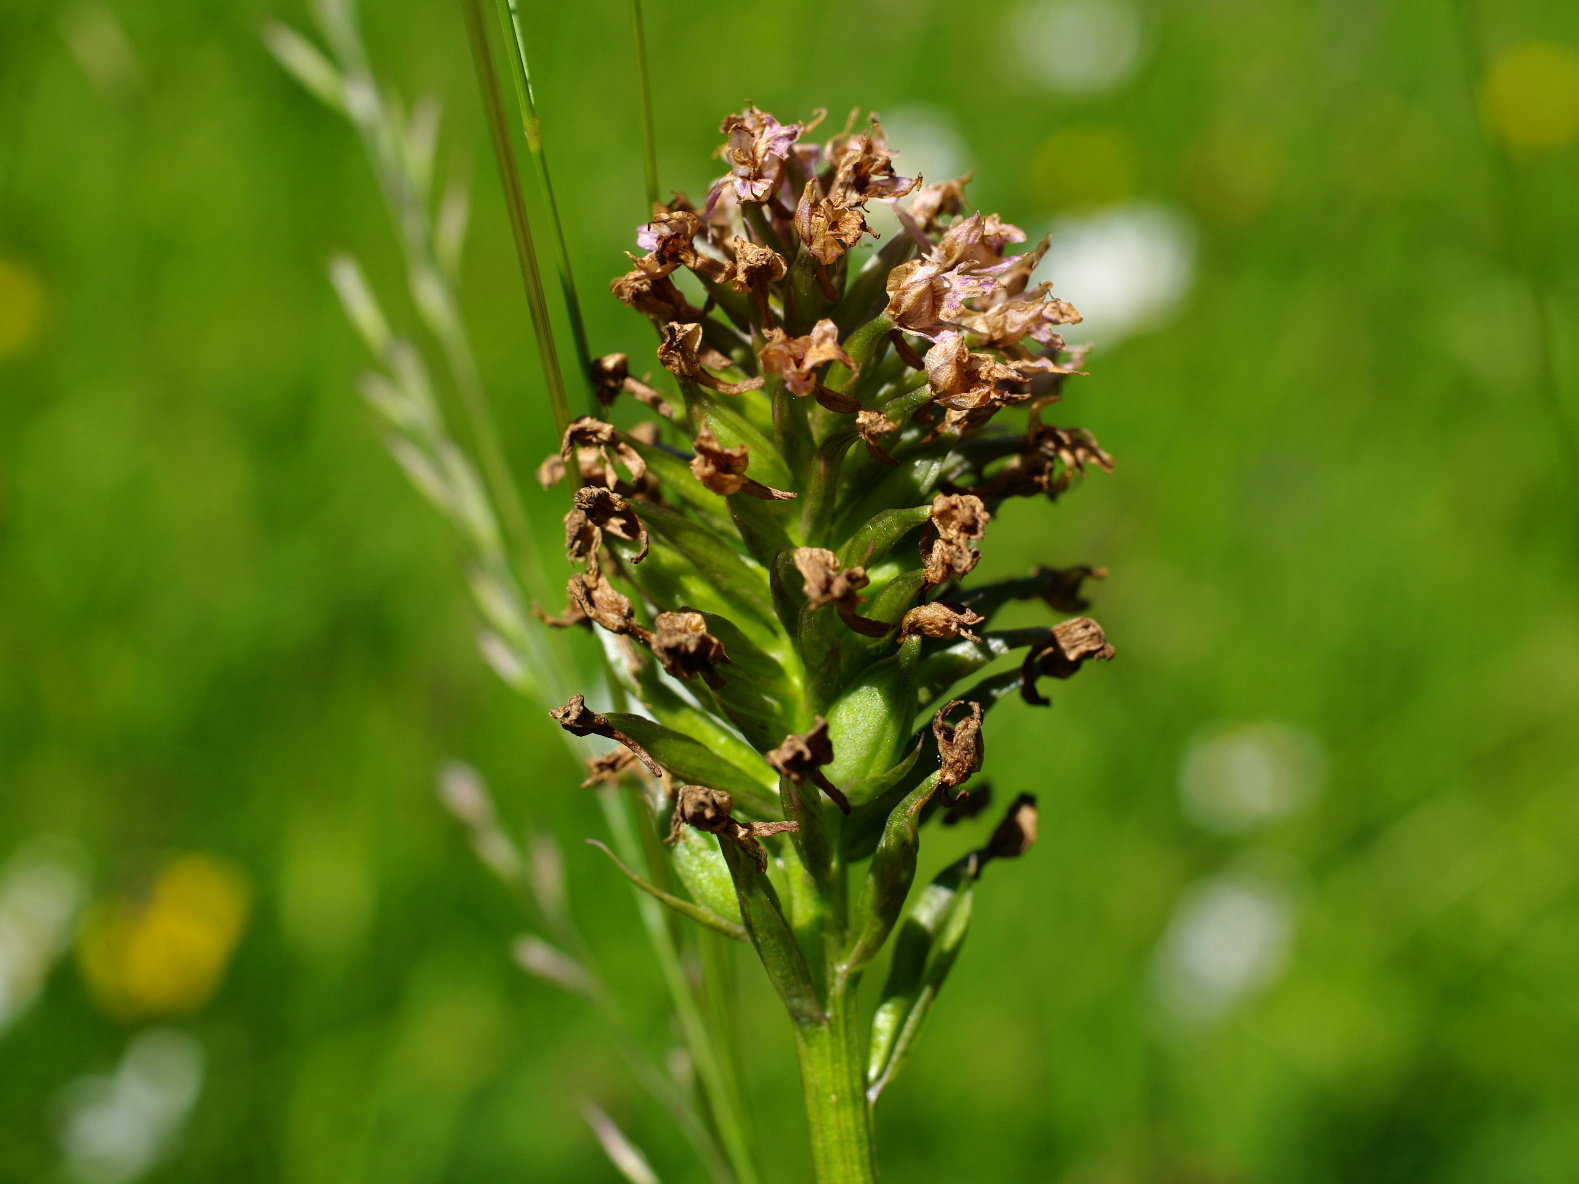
[649, 138]
[531, 127]
[520, 222]
[833, 1073]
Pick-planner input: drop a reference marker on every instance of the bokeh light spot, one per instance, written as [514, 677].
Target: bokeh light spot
[21, 307]
[165, 954]
[1530, 95]
[1083, 167]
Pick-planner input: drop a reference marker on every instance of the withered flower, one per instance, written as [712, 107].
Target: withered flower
[683, 354]
[960, 745]
[1006, 324]
[682, 643]
[933, 202]
[710, 810]
[580, 720]
[827, 584]
[670, 237]
[1015, 834]
[973, 386]
[648, 289]
[966, 806]
[797, 359]
[1069, 645]
[603, 604]
[595, 510]
[611, 375]
[723, 470]
[955, 521]
[756, 266]
[593, 445]
[864, 168]
[1062, 589]
[941, 620]
[827, 226]
[872, 427]
[608, 767]
[757, 147]
[801, 757]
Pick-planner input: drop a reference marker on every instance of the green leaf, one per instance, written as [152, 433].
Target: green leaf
[773, 938]
[700, 865]
[929, 942]
[888, 880]
[872, 543]
[870, 724]
[697, 913]
[736, 580]
[697, 764]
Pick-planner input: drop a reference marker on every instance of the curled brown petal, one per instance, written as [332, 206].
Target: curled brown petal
[826, 584]
[580, 720]
[828, 227]
[608, 767]
[687, 650]
[603, 604]
[960, 745]
[801, 757]
[595, 510]
[710, 811]
[681, 353]
[1069, 645]
[1014, 835]
[873, 426]
[611, 375]
[955, 521]
[940, 620]
[722, 470]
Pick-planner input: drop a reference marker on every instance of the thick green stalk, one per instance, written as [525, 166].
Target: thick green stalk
[833, 1073]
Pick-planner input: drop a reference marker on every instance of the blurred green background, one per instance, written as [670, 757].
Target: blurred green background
[1306, 905]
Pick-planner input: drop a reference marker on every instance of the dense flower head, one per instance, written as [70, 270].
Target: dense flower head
[800, 619]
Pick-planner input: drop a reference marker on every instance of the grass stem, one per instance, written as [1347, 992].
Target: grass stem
[520, 220]
[649, 135]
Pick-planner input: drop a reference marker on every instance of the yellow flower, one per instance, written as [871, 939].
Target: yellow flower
[165, 953]
[1530, 95]
[21, 307]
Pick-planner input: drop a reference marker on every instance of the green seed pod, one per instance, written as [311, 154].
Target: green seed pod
[872, 722]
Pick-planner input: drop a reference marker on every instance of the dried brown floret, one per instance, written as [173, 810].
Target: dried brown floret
[973, 386]
[710, 810]
[960, 746]
[940, 620]
[1062, 589]
[580, 720]
[828, 227]
[797, 359]
[1015, 834]
[684, 355]
[864, 168]
[928, 295]
[801, 757]
[723, 470]
[603, 604]
[756, 266]
[757, 147]
[611, 375]
[932, 202]
[827, 584]
[593, 445]
[873, 426]
[648, 289]
[595, 510]
[1006, 324]
[968, 805]
[608, 767]
[955, 521]
[670, 238]
[1069, 645]
[687, 650]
